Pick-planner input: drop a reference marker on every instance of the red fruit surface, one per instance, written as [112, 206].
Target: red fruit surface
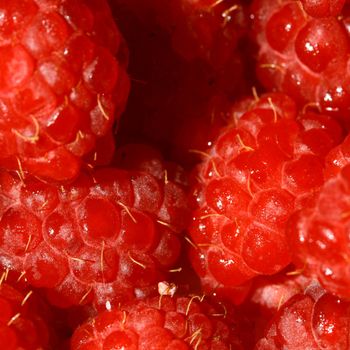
[338, 158]
[314, 320]
[249, 183]
[23, 317]
[161, 323]
[268, 294]
[303, 56]
[205, 29]
[108, 236]
[63, 83]
[171, 96]
[323, 8]
[319, 236]
[208, 30]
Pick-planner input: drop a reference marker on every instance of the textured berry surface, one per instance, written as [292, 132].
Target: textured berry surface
[63, 83]
[171, 96]
[314, 320]
[303, 56]
[249, 184]
[338, 158]
[323, 8]
[23, 317]
[208, 30]
[205, 29]
[319, 235]
[268, 294]
[161, 323]
[108, 236]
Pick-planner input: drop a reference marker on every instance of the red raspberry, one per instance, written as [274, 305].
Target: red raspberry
[199, 128]
[323, 8]
[303, 56]
[249, 184]
[171, 95]
[319, 236]
[267, 296]
[23, 317]
[178, 323]
[206, 29]
[110, 235]
[62, 86]
[313, 320]
[338, 158]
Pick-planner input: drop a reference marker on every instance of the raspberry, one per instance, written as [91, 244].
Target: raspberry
[108, 236]
[338, 158]
[250, 182]
[267, 296]
[23, 317]
[178, 323]
[63, 83]
[323, 8]
[319, 236]
[313, 320]
[187, 145]
[206, 29]
[171, 95]
[303, 56]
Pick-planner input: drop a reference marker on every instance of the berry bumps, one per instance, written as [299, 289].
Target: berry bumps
[319, 236]
[108, 236]
[250, 182]
[303, 56]
[63, 83]
[169, 323]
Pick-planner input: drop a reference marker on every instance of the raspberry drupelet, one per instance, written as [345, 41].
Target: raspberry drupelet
[249, 183]
[167, 323]
[208, 30]
[303, 56]
[205, 29]
[24, 321]
[310, 320]
[268, 294]
[108, 236]
[63, 83]
[323, 8]
[319, 236]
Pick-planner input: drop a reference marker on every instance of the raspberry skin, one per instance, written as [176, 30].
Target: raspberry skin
[205, 29]
[249, 183]
[171, 95]
[63, 84]
[178, 323]
[303, 56]
[108, 236]
[23, 321]
[323, 8]
[338, 158]
[268, 295]
[312, 320]
[319, 236]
